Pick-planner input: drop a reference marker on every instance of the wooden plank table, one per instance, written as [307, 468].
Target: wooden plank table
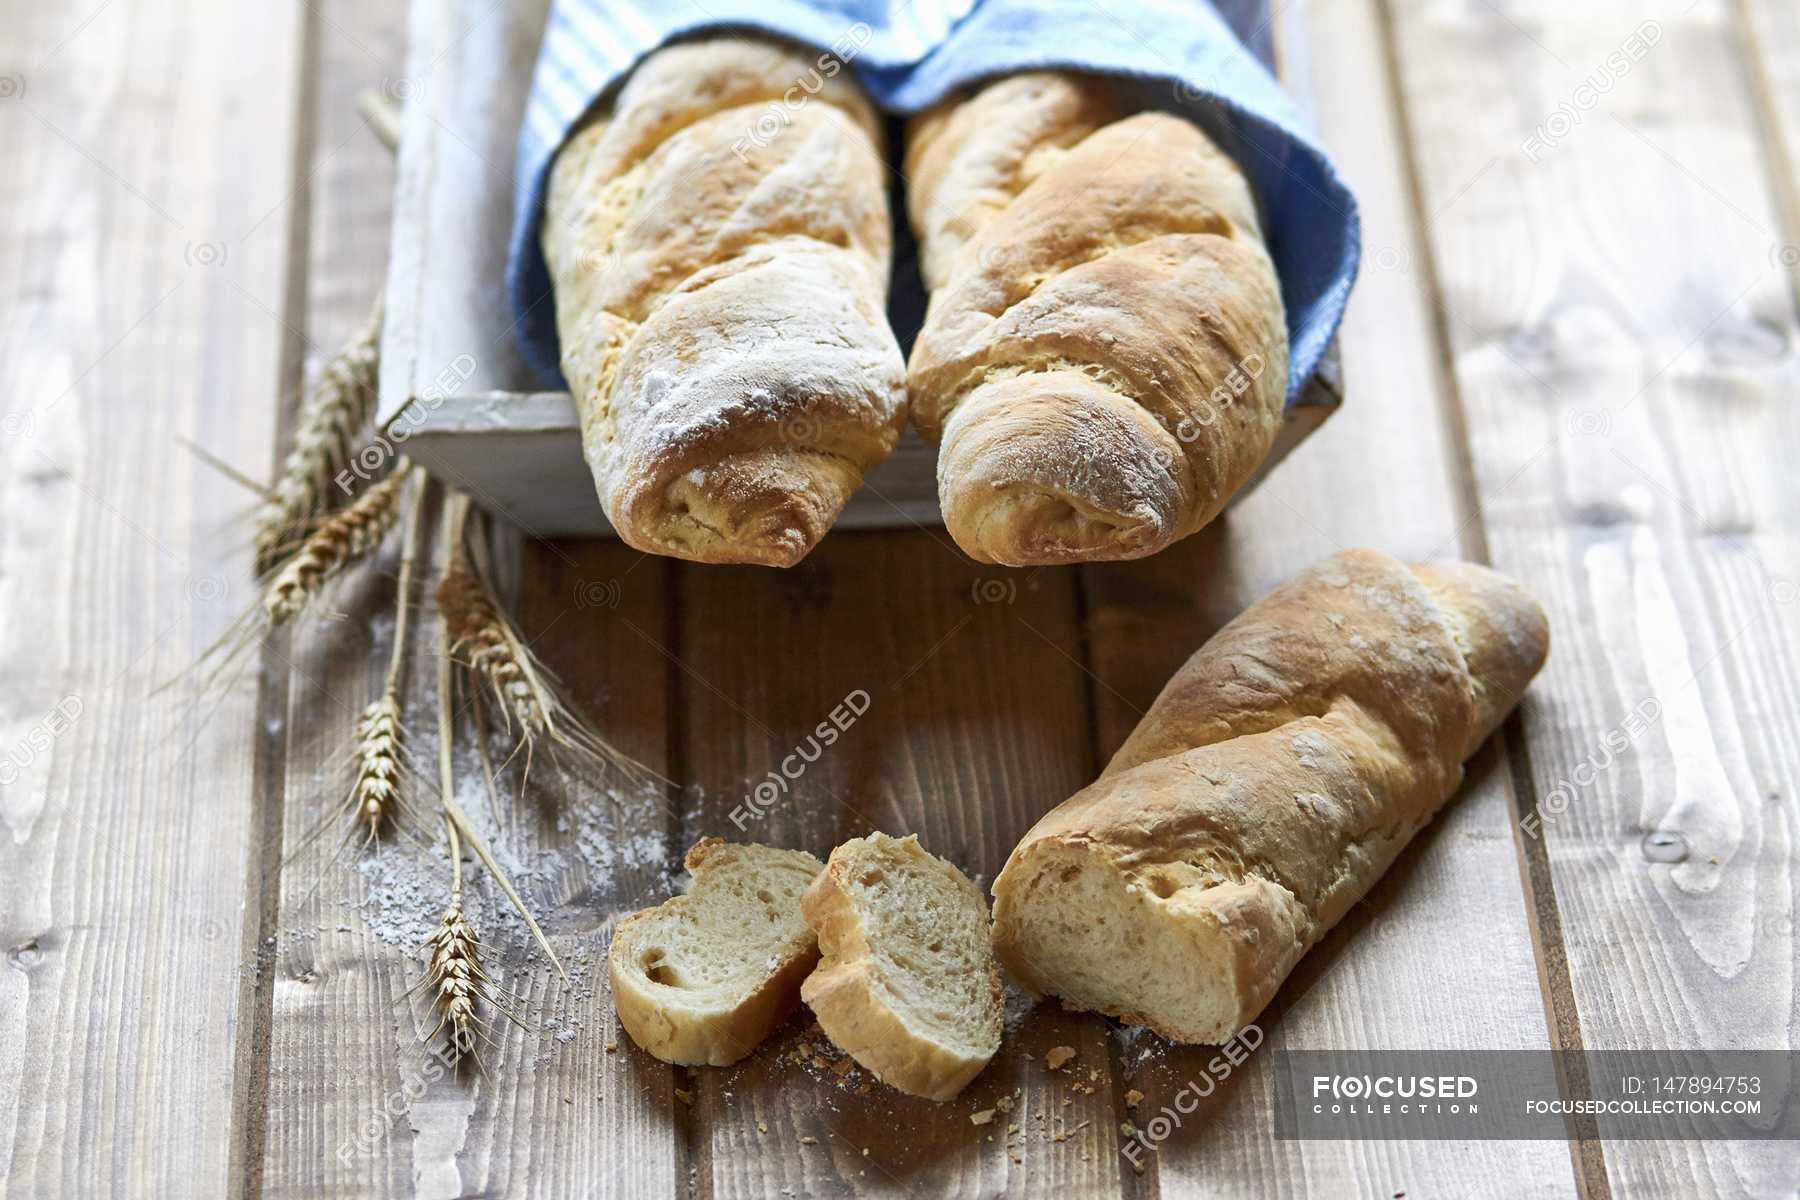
[1571, 353]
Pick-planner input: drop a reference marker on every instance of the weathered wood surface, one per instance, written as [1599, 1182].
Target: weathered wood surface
[1621, 333]
[146, 257]
[1388, 477]
[1577, 367]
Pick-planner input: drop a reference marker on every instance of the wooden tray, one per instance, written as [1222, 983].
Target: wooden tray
[447, 342]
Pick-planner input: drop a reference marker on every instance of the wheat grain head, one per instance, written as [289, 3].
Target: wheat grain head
[344, 538]
[334, 411]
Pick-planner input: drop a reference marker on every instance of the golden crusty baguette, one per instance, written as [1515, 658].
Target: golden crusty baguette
[1104, 358]
[1279, 773]
[719, 241]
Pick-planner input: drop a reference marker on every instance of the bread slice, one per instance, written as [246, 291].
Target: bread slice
[907, 982]
[703, 977]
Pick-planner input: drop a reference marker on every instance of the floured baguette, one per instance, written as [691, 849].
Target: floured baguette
[1104, 359]
[906, 982]
[702, 978]
[721, 298]
[1276, 777]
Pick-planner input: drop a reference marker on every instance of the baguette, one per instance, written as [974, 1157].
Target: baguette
[702, 978]
[1104, 358]
[718, 239]
[1279, 773]
[906, 982]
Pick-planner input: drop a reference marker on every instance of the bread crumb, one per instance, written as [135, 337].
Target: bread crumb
[809, 1140]
[683, 1095]
[762, 1127]
[842, 1066]
[982, 1117]
[612, 1047]
[1057, 1056]
[1133, 1098]
[1004, 1103]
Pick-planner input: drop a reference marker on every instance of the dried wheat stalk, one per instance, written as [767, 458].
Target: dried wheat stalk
[380, 754]
[343, 539]
[455, 976]
[484, 639]
[333, 413]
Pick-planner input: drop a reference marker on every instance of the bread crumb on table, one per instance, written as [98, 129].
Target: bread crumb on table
[1058, 1056]
[808, 1140]
[1133, 1098]
[982, 1117]
[683, 1095]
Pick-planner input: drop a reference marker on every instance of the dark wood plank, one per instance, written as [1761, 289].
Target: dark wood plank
[147, 147]
[975, 724]
[1620, 327]
[1384, 472]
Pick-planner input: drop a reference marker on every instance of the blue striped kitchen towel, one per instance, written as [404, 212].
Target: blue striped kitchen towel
[911, 53]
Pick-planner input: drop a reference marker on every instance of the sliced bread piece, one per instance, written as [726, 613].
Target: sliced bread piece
[703, 977]
[907, 982]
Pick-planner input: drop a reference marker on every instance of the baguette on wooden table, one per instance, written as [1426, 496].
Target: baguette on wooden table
[1274, 780]
[721, 293]
[1104, 357]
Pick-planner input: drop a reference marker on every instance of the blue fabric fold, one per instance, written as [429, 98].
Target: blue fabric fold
[910, 54]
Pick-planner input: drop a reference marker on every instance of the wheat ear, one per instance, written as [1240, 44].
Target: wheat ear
[382, 762]
[455, 976]
[344, 538]
[485, 640]
[334, 411]
[453, 813]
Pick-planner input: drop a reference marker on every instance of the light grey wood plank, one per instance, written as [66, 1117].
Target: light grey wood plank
[1621, 333]
[1398, 973]
[149, 150]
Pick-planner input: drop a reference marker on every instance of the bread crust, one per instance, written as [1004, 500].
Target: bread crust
[848, 994]
[721, 299]
[1104, 360]
[674, 1025]
[1274, 780]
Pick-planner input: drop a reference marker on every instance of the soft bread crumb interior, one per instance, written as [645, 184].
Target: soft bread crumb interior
[1074, 924]
[727, 936]
[929, 941]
